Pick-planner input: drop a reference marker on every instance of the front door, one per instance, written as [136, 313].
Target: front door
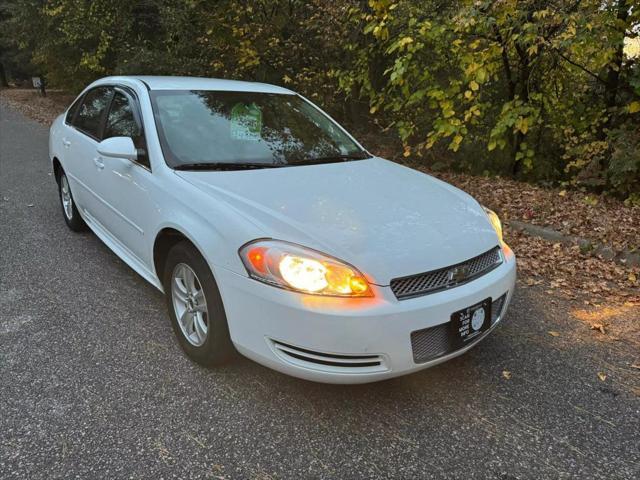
[125, 184]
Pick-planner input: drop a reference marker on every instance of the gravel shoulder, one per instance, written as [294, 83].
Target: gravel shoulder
[94, 385]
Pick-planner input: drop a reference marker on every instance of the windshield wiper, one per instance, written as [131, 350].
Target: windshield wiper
[335, 159]
[255, 165]
[225, 166]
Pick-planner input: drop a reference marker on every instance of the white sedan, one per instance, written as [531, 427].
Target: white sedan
[274, 233]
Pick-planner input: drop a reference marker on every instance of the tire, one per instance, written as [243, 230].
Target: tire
[69, 210]
[185, 304]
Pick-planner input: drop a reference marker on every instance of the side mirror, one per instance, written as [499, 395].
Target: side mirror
[118, 147]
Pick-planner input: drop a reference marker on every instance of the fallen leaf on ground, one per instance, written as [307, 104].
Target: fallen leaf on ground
[572, 274]
[506, 374]
[602, 376]
[554, 333]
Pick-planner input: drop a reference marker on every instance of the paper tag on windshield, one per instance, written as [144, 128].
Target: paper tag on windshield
[246, 122]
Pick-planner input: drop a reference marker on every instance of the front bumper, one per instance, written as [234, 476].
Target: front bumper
[338, 340]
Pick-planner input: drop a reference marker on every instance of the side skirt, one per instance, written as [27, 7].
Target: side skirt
[120, 250]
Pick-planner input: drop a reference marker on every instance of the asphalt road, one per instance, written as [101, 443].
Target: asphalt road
[94, 385]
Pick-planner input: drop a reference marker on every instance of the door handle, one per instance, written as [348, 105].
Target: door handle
[66, 142]
[99, 163]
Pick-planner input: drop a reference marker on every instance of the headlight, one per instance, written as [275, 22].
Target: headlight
[495, 222]
[293, 267]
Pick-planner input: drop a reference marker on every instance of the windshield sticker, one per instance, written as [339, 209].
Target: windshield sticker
[246, 122]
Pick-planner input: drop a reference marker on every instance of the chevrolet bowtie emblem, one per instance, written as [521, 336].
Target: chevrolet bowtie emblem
[457, 275]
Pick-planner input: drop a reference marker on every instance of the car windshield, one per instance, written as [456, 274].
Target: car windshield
[226, 128]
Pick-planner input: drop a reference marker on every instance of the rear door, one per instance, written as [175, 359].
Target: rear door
[80, 140]
[125, 185]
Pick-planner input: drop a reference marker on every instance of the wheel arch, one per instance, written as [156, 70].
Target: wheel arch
[57, 168]
[165, 239]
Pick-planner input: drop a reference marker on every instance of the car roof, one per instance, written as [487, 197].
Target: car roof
[199, 83]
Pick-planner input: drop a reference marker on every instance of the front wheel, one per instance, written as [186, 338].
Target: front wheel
[195, 307]
[69, 210]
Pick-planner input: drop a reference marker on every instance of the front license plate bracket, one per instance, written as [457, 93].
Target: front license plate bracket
[470, 323]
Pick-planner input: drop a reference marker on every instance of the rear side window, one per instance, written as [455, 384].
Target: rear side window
[92, 110]
[72, 111]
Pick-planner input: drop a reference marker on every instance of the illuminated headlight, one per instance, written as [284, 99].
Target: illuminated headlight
[495, 222]
[294, 267]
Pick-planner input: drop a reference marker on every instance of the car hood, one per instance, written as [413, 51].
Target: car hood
[387, 220]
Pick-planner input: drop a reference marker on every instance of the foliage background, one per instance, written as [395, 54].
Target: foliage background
[540, 90]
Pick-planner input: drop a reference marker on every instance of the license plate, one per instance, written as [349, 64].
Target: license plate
[470, 322]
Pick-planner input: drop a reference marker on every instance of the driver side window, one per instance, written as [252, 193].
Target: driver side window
[121, 122]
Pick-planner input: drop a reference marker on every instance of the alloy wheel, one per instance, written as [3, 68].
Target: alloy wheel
[67, 200]
[190, 304]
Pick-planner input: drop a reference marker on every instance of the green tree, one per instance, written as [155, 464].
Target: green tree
[531, 88]
[529, 80]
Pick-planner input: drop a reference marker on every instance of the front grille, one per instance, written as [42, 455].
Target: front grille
[433, 342]
[447, 277]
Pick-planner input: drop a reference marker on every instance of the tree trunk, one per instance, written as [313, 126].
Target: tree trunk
[523, 84]
[613, 75]
[3, 76]
[612, 82]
